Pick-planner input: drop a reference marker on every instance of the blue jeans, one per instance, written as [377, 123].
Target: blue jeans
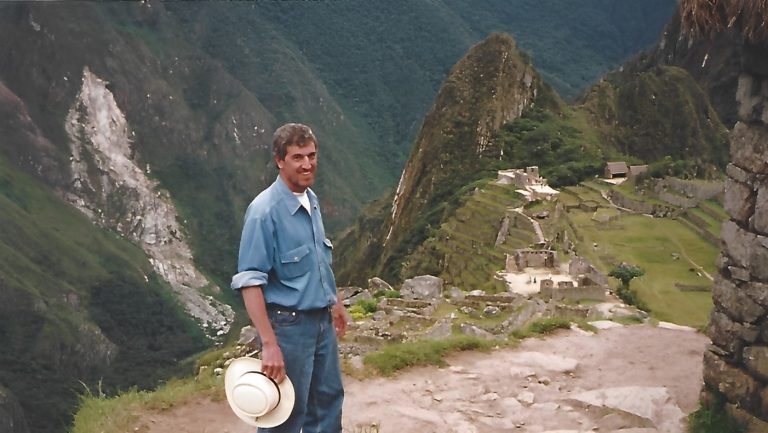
[311, 354]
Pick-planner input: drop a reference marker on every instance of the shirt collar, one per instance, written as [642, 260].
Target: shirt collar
[291, 201]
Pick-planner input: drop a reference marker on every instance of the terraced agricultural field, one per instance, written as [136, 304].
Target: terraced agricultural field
[467, 250]
[667, 250]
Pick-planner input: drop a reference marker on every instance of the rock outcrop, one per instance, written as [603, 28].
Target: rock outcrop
[489, 87]
[109, 187]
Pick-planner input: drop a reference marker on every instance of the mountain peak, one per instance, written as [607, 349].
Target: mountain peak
[490, 86]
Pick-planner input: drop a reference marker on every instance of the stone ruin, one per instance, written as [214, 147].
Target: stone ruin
[529, 258]
[584, 288]
[736, 364]
[415, 315]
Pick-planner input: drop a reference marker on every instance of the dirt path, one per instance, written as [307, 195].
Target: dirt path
[638, 378]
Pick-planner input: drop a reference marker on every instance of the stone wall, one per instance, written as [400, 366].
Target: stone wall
[697, 189]
[527, 258]
[581, 266]
[655, 209]
[736, 365]
[573, 293]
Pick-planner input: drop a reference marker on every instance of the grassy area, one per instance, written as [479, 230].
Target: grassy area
[398, 356]
[587, 194]
[98, 413]
[649, 243]
[597, 184]
[395, 357]
[714, 418]
[716, 208]
[628, 189]
[712, 225]
[605, 214]
[463, 250]
[543, 327]
[568, 199]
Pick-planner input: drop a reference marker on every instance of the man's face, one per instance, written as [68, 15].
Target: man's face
[299, 166]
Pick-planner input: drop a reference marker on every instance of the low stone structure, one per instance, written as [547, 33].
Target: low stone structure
[567, 290]
[579, 266]
[636, 170]
[424, 287]
[616, 169]
[528, 258]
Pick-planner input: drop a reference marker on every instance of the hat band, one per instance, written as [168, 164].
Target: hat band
[277, 387]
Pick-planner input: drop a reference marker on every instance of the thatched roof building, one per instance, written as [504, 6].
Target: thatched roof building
[705, 17]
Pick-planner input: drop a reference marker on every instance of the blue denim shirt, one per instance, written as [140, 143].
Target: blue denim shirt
[284, 249]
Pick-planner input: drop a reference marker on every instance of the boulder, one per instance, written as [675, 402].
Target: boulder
[361, 296]
[376, 284]
[424, 287]
[347, 292]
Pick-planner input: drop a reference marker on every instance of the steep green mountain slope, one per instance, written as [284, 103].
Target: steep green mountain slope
[658, 114]
[78, 304]
[490, 86]
[384, 61]
[203, 86]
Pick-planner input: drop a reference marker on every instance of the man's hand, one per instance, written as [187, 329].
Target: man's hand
[340, 319]
[272, 363]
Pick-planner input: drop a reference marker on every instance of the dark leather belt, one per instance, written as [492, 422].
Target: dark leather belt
[310, 312]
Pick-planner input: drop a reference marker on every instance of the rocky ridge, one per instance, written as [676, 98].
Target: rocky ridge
[109, 187]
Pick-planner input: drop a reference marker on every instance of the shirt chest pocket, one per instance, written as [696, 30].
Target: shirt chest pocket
[328, 250]
[295, 262]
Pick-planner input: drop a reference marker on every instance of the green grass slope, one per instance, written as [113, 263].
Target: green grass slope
[674, 255]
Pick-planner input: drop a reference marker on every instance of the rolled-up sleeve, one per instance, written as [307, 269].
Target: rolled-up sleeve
[256, 252]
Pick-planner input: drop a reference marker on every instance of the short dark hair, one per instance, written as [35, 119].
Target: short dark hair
[291, 134]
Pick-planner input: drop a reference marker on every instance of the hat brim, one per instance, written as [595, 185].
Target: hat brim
[276, 416]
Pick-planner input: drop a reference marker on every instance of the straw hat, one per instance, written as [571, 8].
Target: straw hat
[254, 397]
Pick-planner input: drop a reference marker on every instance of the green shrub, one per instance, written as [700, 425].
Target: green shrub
[357, 312]
[630, 297]
[389, 294]
[713, 419]
[369, 306]
[424, 352]
[542, 327]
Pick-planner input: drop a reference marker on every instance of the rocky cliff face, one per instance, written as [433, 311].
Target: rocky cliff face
[736, 366]
[109, 187]
[489, 87]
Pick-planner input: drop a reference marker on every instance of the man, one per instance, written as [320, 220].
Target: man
[288, 287]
